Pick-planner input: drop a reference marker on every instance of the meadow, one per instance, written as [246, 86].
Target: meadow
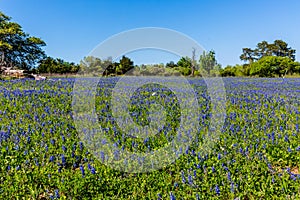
[255, 156]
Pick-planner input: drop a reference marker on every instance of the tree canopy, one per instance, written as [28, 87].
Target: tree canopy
[18, 48]
[277, 48]
[51, 65]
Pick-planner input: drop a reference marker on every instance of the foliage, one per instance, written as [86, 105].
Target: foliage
[17, 48]
[208, 63]
[270, 66]
[51, 65]
[124, 66]
[98, 67]
[278, 48]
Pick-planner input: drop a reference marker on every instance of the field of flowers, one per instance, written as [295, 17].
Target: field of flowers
[255, 156]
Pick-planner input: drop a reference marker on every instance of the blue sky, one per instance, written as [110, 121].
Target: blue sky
[72, 28]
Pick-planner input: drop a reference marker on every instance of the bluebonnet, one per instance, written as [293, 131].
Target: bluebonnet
[217, 189]
[190, 179]
[63, 160]
[56, 192]
[159, 197]
[63, 138]
[229, 176]
[64, 148]
[293, 177]
[182, 177]
[81, 146]
[28, 139]
[82, 170]
[232, 187]
[286, 138]
[172, 197]
[213, 169]
[241, 150]
[92, 169]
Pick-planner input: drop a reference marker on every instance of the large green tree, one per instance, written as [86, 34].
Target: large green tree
[184, 66]
[208, 63]
[17, 48]
[51, 65]
[277, 48]
[271, 66]
[124, 66]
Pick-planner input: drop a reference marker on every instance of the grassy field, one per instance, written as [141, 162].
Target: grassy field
[256, 154]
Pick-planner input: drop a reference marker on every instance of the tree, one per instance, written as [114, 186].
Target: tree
[51, 65]
[208, 62]
[270, 66]
[171, 64]
[193, 63]
[184, 66]
[248, 55]
[125, 65]
[18, 48]
[278, 48]
[228, 71]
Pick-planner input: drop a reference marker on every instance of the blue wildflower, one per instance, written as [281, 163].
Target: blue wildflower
[182, 177]
[64, 148]
[229, 176]
[232, 187]
[56, 192]
[159, 197]
[172, 197]
[217, 189]
[63, 159]
[190, 179]
[82, 170]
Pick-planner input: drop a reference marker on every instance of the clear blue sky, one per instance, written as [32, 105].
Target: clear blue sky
[72, 28]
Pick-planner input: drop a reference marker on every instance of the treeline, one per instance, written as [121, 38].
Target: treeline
[20, 50]
[266, 60]
[186, 66]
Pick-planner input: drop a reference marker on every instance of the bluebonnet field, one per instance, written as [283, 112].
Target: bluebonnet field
[257, 154]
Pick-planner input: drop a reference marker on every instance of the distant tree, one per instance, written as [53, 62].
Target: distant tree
[248, 55]
[193, 62]
[124, 65]
[51, 65]
[184, 62]
[228, 71]
[184, 66]
[171, 64]
[18, 48]
[208, 62]
[271, 66]
[278, 48]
